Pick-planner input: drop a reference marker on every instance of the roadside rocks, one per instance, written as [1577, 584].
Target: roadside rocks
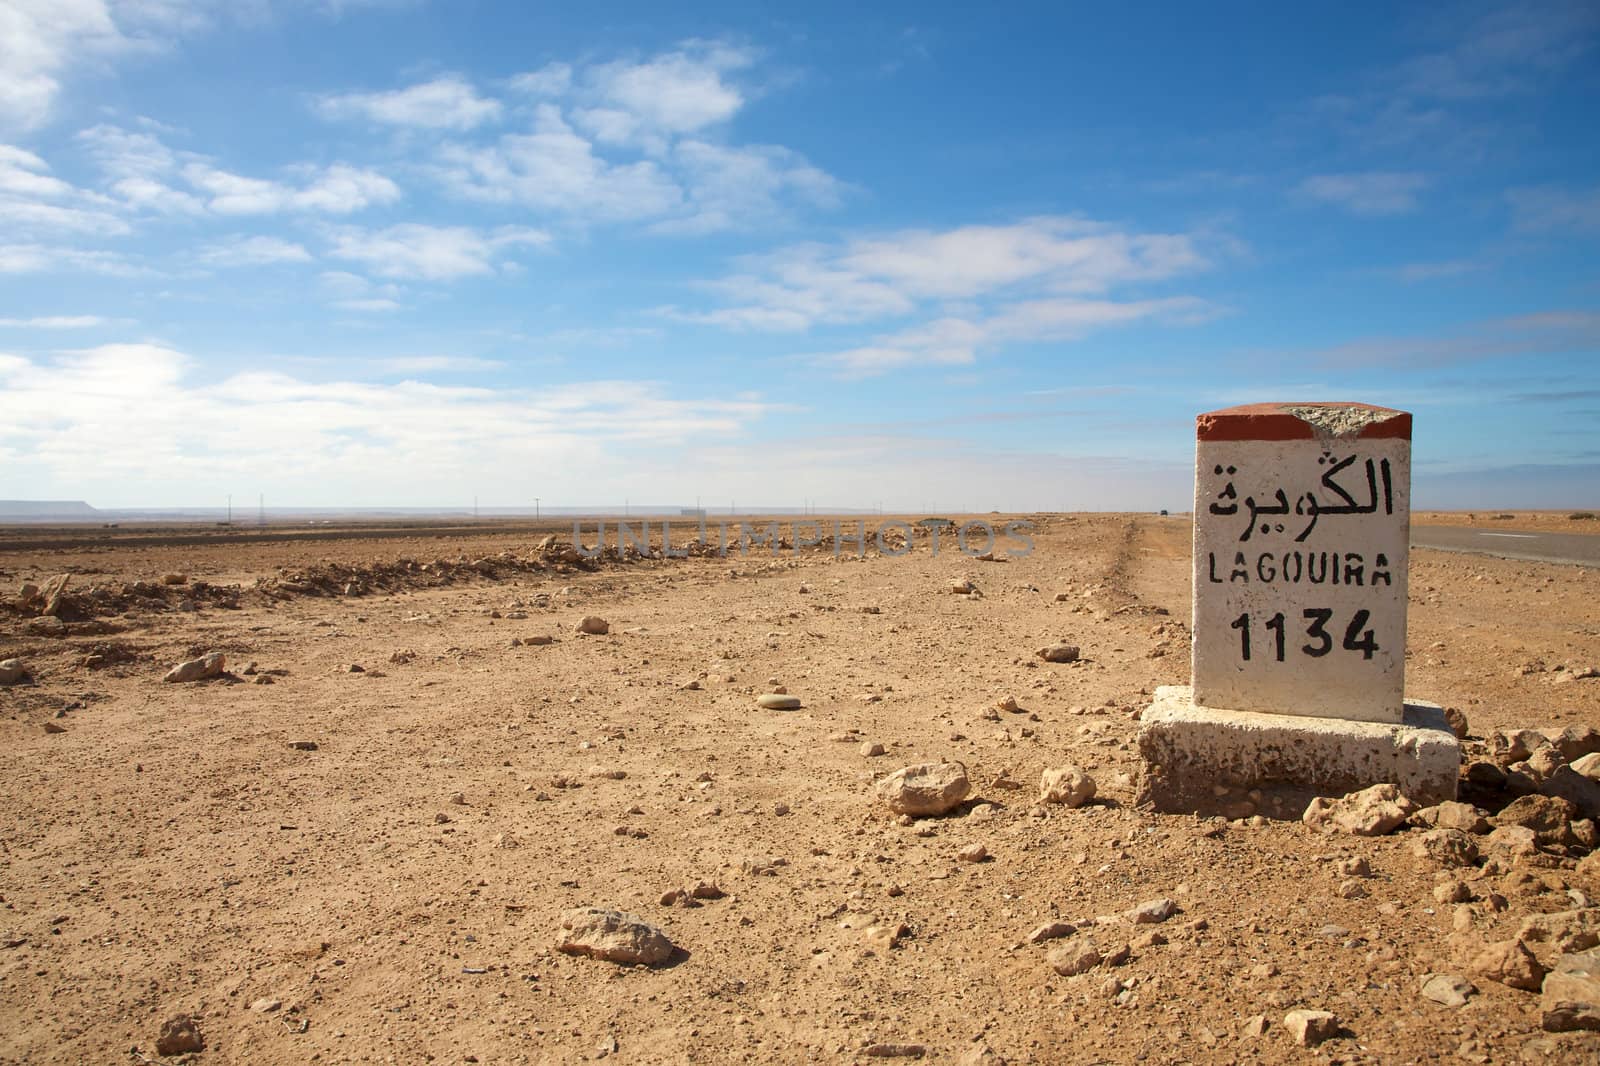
[1371, 812]
[207, 666]
[1448, 847]
[1447, 989]
[778, 701]
[179, 1036]
[1510, 963]
[1152, 911]
[1310, 1027]
[1075, 957]
[593, 625]
[1570, 999]
[613, 936]
[1067, 785]
[925, 789]
[12, 671]
[1059, 653]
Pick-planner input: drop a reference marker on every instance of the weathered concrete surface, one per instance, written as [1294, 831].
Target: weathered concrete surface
[1189, 751]
[1301, 533]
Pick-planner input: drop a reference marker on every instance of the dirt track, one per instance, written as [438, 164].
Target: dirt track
[171, 852]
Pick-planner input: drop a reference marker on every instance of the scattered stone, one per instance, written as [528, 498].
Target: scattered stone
[871, 749]
[266, 1004]
[778, 701]
[1008, 704]
[1451, 815]
[303, 745]
[613, 936]
[925, 789]
[1311, 1027]
[1588, 766]
[174, 579]
[1566, 931]
[51, 727]
[894, 1051]
[1547, 816]
[12, 671]
[1152, 912]
[1453, 892]
[1069, 960]
[885, 937]
[964, 587]
[1067, 785]
[594, 625]
[1059, 653]
[1571, 995]
[179, 1036]
[973, 853]
[706, 890]
[1255, 1027]
[1371, 812]
[1567, 784]
[1447, 989]
[1355, 867]
[200, 669]
[1457, 721]
[1448, 847]
[1510, 963]
[538, 640]
[1051, 931]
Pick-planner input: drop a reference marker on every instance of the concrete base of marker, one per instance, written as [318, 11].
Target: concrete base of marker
[1194, 755]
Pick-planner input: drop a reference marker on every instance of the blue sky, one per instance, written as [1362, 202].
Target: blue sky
[929, 256]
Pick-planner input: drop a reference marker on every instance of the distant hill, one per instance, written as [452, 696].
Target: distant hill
[46, 509]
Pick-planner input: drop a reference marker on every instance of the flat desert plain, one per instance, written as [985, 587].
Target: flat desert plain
[368, 858]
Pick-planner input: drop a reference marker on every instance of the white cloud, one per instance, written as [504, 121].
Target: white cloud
[422, 364]
[30, 258]
[1554, 208]
[356, 441]
[145, 174]
[352, 292]
[255, 251]
[337, 189]
[678, 92]
[554, 79]
[448, 102]
[432, 253]
[1372, 193]
[54, 322]
[954, 341]
[24, 174]
[555, 169]
[732, 187]
[977, 288]
[893, 274]
[44, 42]
[39, 39]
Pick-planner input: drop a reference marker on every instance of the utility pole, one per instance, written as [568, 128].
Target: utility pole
[474, 508]
[536, 508]
[261, 509]
[230, 508]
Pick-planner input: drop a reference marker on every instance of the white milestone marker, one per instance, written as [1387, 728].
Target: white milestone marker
[1301, 533]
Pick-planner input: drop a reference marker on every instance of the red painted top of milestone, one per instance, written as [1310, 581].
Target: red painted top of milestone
[1303, 421]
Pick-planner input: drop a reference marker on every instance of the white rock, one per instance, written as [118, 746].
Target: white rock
[208, 666]
[1310, 1027]
[925, 789]
[1067, 785]
[613, 936]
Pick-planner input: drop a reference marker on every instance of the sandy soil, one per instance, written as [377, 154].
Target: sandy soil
[1531, 521]
[397, 889]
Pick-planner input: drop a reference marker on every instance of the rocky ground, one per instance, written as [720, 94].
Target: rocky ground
[392, 822]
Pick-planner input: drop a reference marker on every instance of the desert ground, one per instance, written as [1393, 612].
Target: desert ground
[368, 858]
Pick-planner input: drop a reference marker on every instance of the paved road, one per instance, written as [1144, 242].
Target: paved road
[1581, 549]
